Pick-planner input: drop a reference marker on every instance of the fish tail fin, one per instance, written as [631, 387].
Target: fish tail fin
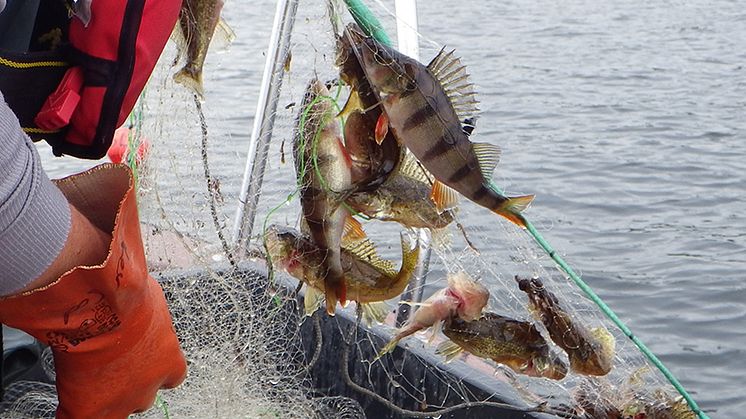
[335, 291]
[512, 208]
[191, 80]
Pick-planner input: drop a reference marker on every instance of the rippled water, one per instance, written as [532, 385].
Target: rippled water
[627, 120]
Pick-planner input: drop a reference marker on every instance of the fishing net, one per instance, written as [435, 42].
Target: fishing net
[251, 351]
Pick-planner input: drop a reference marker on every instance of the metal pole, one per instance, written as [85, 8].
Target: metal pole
[408, 39]
[279, 46]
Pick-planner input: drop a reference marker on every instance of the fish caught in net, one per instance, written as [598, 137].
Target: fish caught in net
[368, 147]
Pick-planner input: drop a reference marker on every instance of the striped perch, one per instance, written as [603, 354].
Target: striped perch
[424, 107]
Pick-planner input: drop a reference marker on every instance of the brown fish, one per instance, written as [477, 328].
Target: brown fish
[323, 169]
[514, 343]
[198, 20]
[424, 107]
[404, 197]
[590, 352]
[372, 160]
[368, 278]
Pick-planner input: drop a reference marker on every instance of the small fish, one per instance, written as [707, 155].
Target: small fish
[198, 21]
[590, 352]
[603, 400]
[423, 107]
[404, 197]
[514, 343]
[463, 297]
[323, 166]
[374, 156]
[369, 279]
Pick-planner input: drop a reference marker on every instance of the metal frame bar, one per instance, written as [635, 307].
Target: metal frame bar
[408, 40]
[264, 119]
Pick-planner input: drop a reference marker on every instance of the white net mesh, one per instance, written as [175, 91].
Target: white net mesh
[242, 334]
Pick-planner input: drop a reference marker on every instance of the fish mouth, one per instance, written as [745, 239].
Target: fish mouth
[277, 240]
[461, 303]
[354, 33]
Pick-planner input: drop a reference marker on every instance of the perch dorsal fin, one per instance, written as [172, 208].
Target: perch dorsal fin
[453, 78]
[366, 251]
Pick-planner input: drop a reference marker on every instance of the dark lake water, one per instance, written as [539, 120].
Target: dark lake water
[627, 119]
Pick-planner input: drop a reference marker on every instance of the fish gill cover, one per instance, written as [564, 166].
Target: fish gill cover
[242, 331]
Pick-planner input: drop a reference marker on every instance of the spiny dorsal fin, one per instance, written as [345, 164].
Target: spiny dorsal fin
[366, 251]
[454, 79]
[488, 156]
[444, 197]
[440, 60]
[410, 167]
[449, 349]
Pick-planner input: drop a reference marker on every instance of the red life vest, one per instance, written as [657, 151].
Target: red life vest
[76, 93]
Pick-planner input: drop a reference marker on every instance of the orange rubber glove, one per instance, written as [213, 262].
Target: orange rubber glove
[108, 326]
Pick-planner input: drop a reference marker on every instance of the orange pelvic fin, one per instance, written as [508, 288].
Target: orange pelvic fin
[443, 196]
[382, 128]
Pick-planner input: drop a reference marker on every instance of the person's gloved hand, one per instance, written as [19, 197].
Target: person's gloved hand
[108, 326]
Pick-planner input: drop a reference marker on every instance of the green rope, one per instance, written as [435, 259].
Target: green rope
[367, 21]
[372, 27]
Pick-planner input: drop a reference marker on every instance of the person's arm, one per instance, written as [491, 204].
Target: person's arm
[73, 275]
[36, 219]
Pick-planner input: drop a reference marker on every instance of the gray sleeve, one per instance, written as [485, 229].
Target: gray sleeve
[34, 215]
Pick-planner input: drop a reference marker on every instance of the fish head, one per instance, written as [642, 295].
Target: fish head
[350, 70]
[604, 349]
[314, 106]
[388, 71]
[315, 113]
[472, 294]
[281, 245]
